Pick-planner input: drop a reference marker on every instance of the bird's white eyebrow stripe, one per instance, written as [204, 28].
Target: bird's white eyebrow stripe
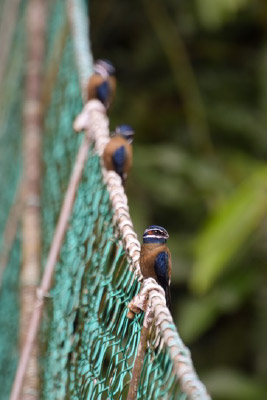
[154, 236]
[155, 230]
[101, 70]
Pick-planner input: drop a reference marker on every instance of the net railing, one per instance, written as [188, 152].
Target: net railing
[88, 345]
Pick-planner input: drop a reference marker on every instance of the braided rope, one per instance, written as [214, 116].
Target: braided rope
[95, 122]
[79, 24]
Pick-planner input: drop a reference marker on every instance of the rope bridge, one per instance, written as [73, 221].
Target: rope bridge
[90, 252]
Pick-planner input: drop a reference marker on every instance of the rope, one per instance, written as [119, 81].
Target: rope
[77, 13]
[92, 120]
[95, 123]
[32, 149]
[179, 353]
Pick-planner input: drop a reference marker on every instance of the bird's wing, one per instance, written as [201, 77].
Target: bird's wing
[94, 81]
[103, 92]
[161, 267]
[118, 158]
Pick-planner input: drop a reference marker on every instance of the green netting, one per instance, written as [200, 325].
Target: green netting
[90, 344]
[60, 142]
[11, 94]
[9, 321]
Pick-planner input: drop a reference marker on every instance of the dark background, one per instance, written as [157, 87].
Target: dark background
[192, 81]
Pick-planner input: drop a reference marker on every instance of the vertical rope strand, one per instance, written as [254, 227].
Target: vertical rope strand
[80, 30]
[31, 219]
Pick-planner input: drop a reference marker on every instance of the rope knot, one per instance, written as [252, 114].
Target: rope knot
[142, 301]
[41, 294]
[82, 121]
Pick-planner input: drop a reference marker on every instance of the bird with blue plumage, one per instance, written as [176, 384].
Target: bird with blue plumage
[155, 258]
[102, 84]
[118, 153]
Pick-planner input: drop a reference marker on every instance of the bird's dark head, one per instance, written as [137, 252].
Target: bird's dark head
[125, 131]
[155, 234]
[104, 68]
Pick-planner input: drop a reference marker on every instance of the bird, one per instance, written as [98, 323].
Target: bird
[102, 84]
[155, 258]
[118, 153]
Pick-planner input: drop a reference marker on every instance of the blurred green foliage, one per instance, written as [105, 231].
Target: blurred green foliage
[192, 81]
[214, 14]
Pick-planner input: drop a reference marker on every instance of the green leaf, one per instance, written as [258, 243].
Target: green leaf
[228, 230]
[213, 14]
[233, 385]
[195, 316]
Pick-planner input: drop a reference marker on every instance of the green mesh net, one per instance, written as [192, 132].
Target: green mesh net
[9, 317]
[89, 345]
[11, 94]
[60, 142]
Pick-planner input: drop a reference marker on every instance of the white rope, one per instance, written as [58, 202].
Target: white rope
[152, 298]
[80, 29]
[94, 121]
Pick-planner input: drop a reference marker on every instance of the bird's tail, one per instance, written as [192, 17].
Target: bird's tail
[168, 297]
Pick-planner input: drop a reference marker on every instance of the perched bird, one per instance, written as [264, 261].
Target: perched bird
[118, 153]
[155, 258]
[102, 84]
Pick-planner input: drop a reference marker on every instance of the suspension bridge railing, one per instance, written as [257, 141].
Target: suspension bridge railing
[88, 344]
